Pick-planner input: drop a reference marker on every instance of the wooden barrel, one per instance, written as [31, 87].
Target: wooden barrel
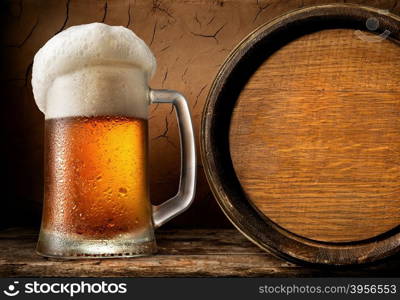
[300, 135]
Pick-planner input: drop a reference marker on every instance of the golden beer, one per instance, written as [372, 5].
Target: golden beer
[95, 98]
[96, 178]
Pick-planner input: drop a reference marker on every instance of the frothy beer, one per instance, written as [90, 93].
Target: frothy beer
[91, 82]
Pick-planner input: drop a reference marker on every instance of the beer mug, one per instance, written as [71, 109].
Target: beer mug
[91, 82]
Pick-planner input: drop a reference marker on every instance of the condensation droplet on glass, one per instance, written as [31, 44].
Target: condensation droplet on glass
[108, 191]
[122, 191]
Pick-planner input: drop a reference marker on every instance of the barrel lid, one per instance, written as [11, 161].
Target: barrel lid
[299, 140]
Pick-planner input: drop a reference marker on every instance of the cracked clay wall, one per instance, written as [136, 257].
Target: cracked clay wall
[190, 39]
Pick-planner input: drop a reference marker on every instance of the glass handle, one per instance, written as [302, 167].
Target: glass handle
[187, 184]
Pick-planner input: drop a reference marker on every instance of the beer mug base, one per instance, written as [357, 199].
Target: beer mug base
[55, 245]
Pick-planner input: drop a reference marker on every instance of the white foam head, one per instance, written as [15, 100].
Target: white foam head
[92, 70]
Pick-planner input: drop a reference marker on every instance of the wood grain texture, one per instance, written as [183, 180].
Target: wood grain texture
[182, 253]
[315, 136]
[216, 136]
[190, 39]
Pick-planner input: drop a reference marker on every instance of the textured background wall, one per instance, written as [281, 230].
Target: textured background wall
[190, 39]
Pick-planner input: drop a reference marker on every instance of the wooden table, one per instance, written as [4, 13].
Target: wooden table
[182, 253]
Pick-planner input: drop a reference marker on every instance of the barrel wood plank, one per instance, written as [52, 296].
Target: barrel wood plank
[300, 135]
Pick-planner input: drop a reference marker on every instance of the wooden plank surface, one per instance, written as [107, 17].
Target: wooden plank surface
[182, 253]
[315, 136]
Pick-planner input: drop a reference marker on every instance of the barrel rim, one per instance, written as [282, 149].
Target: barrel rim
[274, 238]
